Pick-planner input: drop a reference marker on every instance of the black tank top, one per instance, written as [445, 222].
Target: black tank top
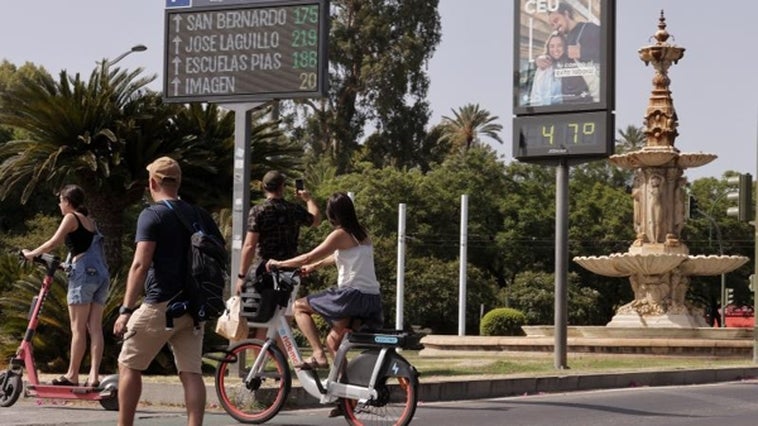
[80, 239]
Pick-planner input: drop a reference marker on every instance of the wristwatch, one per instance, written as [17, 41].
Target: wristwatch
[241, 276]
[122, 310]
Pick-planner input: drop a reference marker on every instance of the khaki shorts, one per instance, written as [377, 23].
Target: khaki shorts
[146, 334]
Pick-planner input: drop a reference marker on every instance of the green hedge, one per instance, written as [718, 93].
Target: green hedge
[502, 322]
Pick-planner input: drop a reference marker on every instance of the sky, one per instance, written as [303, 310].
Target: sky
[714, 86]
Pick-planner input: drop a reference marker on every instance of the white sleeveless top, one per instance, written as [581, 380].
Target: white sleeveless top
[355, 268]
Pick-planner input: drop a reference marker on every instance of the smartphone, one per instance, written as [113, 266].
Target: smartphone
[299, 186]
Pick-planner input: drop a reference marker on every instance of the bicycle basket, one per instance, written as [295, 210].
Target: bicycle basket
[260, 301]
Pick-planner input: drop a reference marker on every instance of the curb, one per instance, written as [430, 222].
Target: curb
[171, 393]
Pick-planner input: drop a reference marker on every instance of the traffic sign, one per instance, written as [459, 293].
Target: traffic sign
[242, 52]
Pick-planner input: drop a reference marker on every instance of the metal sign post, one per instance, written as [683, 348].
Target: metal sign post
[563, 101]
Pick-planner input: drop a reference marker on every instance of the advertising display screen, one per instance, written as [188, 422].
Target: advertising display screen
[246, 51]
[563, 56]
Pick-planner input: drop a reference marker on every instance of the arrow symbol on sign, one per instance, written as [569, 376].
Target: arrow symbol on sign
[176, 82]
[177, 41]
[176, 62]
[177, 22]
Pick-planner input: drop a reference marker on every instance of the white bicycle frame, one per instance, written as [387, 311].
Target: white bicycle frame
[329, 389]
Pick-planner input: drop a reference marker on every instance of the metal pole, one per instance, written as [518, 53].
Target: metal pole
[241, 182]
[400, 297]
[755, 265]
[561, 264]
[722, 297]
[462, 268]
[723, 301]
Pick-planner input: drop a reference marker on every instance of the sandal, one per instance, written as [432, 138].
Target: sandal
[312, 364]
[95, 384]
[63, 381]
[337, 411]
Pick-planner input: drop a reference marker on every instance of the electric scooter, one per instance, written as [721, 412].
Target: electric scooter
[11, 379]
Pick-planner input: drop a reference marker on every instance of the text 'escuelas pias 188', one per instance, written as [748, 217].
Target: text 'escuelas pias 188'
[246, 51]
[563, 88]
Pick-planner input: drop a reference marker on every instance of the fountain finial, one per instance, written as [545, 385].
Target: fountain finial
[661, 120]
[661, 35]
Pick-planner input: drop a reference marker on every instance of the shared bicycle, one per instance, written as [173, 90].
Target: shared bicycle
[376, 386]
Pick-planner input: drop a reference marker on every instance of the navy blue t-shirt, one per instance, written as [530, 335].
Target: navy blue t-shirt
[158, 223]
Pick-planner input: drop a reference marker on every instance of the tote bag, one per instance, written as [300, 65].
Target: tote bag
[230, 324]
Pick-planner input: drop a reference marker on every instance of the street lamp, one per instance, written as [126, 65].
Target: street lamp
[135, 48]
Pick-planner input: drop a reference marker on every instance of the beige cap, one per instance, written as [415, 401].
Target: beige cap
[165, 168]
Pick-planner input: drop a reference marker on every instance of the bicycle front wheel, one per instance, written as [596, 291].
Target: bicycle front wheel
[257, 397]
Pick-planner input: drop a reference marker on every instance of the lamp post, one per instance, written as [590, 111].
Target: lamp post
[135, 48]
[722, 297]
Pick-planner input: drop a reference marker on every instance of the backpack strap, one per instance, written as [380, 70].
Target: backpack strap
[191, 229]
[183, 219]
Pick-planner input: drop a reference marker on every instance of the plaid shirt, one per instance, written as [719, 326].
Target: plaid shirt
[277, 223]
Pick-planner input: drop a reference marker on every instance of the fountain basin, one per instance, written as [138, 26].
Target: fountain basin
[646, 157]
[711, 265]
[626, 264]
[689, 160]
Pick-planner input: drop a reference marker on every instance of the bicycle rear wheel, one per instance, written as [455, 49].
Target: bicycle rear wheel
[396, 400]
[261, 397]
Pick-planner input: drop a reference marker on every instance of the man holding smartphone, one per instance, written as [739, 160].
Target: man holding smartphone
[273, 229]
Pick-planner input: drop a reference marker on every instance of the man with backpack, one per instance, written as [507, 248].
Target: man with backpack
[160, 266]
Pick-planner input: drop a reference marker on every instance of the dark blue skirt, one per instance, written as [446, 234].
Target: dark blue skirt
[346, 302]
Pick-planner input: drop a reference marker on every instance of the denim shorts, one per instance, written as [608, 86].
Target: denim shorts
[87, 283]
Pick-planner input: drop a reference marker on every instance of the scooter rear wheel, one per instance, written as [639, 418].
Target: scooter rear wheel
[10, 388]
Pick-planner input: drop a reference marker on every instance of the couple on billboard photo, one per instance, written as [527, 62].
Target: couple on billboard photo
[559, 52]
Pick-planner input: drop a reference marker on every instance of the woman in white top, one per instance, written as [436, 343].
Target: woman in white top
[357, 293]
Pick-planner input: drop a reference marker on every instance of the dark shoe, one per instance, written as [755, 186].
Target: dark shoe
[95, 384]
[337, 411]
[63, 381]
[312, 364]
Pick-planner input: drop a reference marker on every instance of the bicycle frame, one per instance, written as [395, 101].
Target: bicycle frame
[376, 383]
[24, 357]
[330, 389]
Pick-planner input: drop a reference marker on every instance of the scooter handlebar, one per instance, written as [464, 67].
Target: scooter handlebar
[46, 259]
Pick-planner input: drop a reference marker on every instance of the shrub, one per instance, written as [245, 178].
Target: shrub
[502, 322]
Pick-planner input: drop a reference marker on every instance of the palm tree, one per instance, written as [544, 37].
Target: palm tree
[76, 132]
[469, 123]
[101, 134]
[630, 139]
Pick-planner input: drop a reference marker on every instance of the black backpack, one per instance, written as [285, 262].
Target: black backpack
[207, 273]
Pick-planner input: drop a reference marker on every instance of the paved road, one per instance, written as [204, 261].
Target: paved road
[731, 403]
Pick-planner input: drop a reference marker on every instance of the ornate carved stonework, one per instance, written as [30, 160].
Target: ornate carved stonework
[658, 263]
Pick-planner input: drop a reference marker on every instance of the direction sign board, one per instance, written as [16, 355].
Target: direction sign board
[244, 52]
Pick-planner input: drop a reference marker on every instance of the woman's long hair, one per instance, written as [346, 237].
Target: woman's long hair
[341, 213]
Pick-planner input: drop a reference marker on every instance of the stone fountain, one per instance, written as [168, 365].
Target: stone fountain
[658, 262]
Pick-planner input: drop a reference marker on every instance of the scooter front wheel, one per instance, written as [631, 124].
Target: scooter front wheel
[10, 388]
